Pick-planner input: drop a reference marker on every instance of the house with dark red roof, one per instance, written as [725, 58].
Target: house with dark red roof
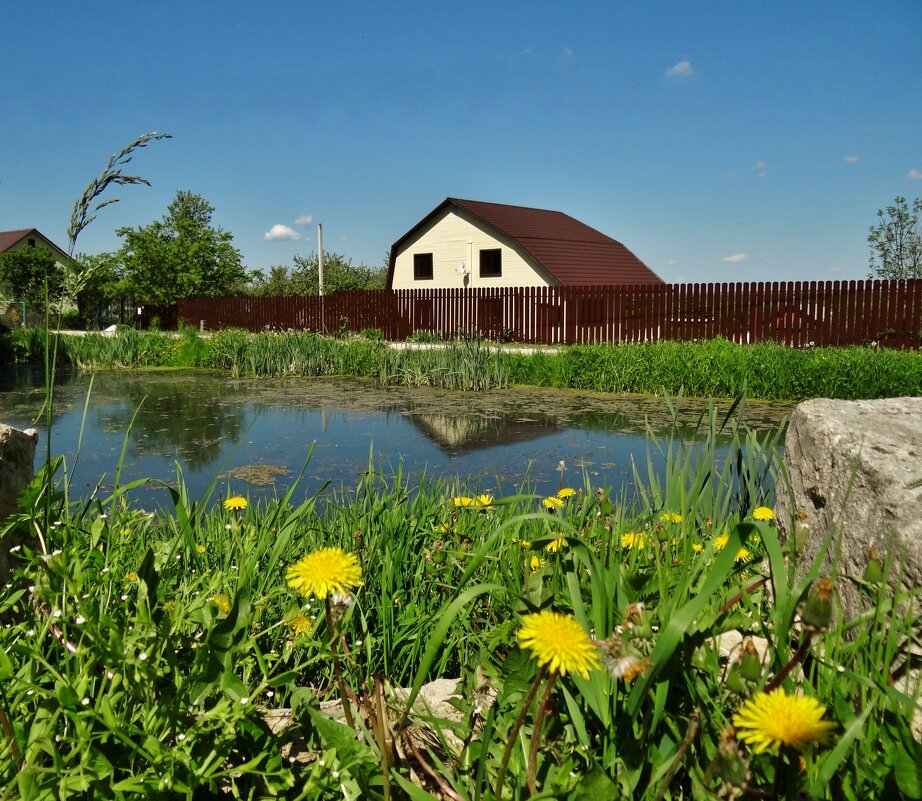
[31, 238]
[469, 243]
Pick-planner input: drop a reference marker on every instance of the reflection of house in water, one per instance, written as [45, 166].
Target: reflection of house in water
[460, 432]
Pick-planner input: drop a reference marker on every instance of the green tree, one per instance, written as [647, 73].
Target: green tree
[896, 241]
[339, 273]
[101, 289]
[180, 256]
[23, 272]
[272, 284]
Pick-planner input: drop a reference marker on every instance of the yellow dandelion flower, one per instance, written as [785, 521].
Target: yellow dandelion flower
[742, 555]
[325, 571]
[632, 539]
[235, 504]
[556, 545]
[764, 513]
[222, 602]
[484, 501]
[558, 641]
[525, 545]
[463, 501]
[536, 563]
[721, 542]
[300, 624]
[132, 576]
[552, 503]
[697, 547]
[671, 517]
[566, 492]
[200, 549]
[768, 721]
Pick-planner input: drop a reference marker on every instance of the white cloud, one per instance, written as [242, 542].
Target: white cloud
[851, 159]
[278, 231]
[304, 219]
[736, 258]
[672, 261]
[914, 175]
[568, 52]
[683, 69]
[760, 168]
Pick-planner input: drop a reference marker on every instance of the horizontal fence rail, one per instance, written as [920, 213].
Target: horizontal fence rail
[795, 313]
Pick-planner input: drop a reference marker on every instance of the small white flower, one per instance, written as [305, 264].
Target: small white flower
[124, 596]
[85, 702]
[245, 700]
[180, 737]
[142, 657]
[56, 552]
[15, 548]
[269, 694]
[56, 613]
[104, 570]
[80, 619]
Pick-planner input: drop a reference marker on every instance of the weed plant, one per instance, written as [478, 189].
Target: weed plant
[144, 654]
[716, 368]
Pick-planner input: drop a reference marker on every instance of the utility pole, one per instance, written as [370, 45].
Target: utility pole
[320, 256]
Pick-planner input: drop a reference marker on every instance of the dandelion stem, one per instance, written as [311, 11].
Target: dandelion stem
[536, 733]
[514, 734]
[337, 668]
[798, 656]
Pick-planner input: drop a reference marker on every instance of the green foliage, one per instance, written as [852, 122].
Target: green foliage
[144, 653]
[339, 273]
[695, 369]
[23, 273]
[896, 241]
[181, 255]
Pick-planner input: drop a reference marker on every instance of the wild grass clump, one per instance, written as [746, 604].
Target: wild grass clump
[716, 368]
[602, 649]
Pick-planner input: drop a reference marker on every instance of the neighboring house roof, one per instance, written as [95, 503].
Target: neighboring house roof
[9, 239]
[572, 252]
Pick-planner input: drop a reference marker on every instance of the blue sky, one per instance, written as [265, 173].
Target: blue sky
[720, 141]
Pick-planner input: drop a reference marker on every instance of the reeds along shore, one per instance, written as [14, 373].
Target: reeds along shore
[715, 368]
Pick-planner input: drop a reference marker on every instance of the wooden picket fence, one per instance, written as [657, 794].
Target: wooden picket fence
[797, 313]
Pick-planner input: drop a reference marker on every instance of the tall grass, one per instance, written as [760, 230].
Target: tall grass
[716, 368]
[145, 649]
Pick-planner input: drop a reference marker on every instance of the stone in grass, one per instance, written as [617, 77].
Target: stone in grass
[17, 467]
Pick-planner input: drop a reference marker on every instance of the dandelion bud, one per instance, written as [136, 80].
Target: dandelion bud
[817, 612]
[874, 569]
[732, 766]
[749, 662]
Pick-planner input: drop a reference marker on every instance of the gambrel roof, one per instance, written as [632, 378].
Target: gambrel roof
[570, 251]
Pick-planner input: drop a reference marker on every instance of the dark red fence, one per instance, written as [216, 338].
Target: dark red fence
[796, 313]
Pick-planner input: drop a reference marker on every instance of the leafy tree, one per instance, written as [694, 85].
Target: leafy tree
[182, 255]
[101, 288]
[339, 273]
[23, 272]
[896, 241]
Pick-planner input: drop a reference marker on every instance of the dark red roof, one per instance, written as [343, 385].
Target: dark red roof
[10, 239]
[572, 252]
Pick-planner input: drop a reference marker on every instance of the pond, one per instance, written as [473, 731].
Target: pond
[256, 436]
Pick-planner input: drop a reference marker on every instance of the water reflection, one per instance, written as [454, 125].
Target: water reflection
[257, 435]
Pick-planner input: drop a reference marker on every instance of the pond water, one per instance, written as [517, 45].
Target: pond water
[257, 435]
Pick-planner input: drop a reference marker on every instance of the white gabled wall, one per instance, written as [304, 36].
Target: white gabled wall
[447, 240]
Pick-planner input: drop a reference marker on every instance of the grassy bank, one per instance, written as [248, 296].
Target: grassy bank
[702, 369]
[144, 651]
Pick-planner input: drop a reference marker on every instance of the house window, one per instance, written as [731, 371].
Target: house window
[422, 266]
[491, 263]
[31, 243]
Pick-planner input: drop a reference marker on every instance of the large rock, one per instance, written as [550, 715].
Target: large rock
[17, 467]
[856, 467]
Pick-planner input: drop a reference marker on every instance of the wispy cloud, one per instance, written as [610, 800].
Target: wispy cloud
[304, 219]
[760, 168]
[568, 52]
[279, 231]
[736, 258]
[682, 69]
[851, 159]
[914, 175]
